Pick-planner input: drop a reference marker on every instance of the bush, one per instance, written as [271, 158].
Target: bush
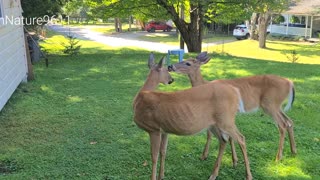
[293, 56]
[72, 47]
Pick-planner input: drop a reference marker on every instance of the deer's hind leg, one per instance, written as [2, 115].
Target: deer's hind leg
[217, 133]
[237, 136]
[289, 124]
[276, 115]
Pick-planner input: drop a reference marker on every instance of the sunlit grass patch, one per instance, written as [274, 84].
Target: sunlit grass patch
[276, 50]
[290, 167]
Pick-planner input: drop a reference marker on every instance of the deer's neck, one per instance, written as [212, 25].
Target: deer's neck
[196, 79]
[150, 84]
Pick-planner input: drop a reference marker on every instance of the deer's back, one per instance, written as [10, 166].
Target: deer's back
[255, 89]
[185, 112]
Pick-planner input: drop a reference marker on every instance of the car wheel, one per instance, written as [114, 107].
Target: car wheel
[168, 29]
[152, 30]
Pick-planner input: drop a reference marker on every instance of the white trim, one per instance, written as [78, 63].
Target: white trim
[287, 24]
[311, 26]
[306, 28]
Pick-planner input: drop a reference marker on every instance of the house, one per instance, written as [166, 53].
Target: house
[13, 61]
[307, 13]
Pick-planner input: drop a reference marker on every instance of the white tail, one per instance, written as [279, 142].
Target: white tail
[265, 91]
[291, 97]
[211, 106]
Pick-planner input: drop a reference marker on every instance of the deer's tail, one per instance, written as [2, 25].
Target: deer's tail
[241, 105]
[291, 97]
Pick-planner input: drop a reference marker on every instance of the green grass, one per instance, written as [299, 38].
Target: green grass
[308, 53]
[75, 121]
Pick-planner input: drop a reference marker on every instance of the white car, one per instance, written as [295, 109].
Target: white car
[241, 32]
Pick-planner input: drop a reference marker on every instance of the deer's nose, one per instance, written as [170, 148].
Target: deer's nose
[171, 68]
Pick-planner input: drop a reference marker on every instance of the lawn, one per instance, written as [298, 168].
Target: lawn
[75, 121]
[308, 53]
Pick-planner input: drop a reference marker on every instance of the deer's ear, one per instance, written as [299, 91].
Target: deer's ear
[162, 62]
[203, 57]
[151, 60]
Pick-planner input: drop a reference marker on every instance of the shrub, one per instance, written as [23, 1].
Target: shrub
[293, 56]
[72, 47]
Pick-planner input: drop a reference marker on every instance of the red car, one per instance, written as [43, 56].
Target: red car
[154, 25]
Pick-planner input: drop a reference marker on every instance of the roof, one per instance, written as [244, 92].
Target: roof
[304, 7]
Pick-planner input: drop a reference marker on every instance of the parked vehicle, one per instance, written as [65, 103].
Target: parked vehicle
[241, 32]
[152, 26]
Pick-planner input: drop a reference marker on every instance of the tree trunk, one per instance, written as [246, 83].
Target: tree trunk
[120, 25]
[190, 32]
[116, 24]
[263, 25]
[130, 22]
[253, 27]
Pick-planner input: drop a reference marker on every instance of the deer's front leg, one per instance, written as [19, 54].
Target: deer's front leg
[155, 140]
[222, 146]
[206, 147]
[163, 152]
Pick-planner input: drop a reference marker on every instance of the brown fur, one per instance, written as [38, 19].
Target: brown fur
[265, 91]
[211, 106]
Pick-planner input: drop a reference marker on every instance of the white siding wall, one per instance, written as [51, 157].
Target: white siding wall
[13, 63]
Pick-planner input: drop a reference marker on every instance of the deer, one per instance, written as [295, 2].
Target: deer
[210, 106]
[267, 92]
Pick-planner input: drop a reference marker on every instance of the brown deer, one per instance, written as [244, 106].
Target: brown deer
[211, 106]
[265, 91]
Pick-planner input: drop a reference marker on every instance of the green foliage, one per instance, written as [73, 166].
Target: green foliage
[294, 19]
[277, 19]
[227, 13]
[40, 8]
[72, 47]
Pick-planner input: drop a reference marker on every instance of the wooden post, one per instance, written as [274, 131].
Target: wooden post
[30, 67]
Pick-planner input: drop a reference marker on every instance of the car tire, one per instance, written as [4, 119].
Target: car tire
[247, 36]
[152, 30]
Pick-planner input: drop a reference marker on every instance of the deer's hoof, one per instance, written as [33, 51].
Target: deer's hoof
[212, 177]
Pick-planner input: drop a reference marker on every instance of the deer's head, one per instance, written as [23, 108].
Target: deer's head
[159, 72]
[190, 65]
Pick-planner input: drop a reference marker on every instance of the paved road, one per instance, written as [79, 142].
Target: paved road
[120, 39]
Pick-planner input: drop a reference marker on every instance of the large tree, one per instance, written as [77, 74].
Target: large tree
[264, 9]
[197, 12]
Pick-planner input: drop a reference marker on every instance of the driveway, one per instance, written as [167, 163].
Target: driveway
[119, 39]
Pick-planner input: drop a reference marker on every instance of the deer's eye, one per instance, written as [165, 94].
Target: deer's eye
[188, 64]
